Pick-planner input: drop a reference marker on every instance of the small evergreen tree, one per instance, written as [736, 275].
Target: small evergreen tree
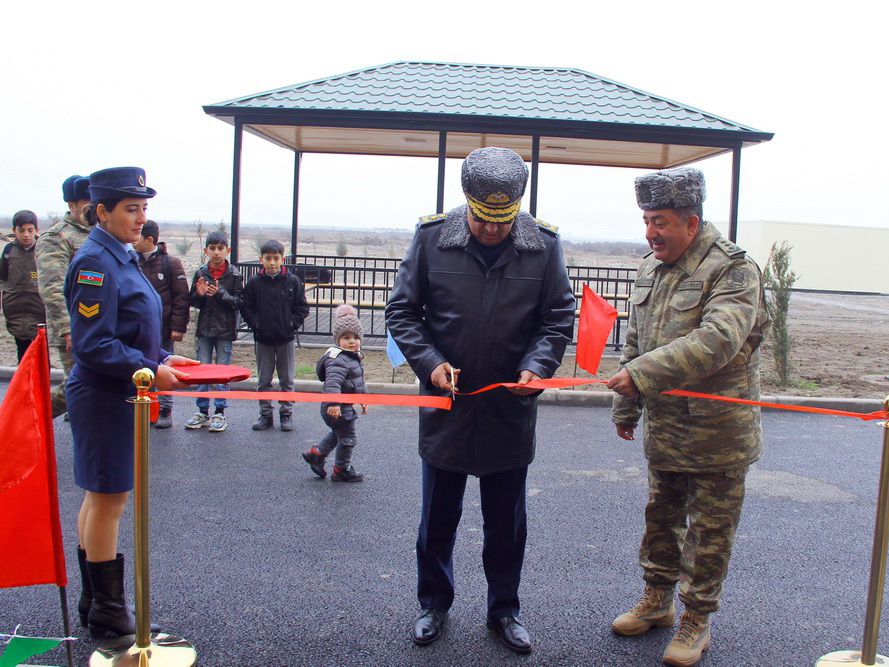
[341, 248]
[779, 279]
[183, 246]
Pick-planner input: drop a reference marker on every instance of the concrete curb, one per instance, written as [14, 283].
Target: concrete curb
[562, 397]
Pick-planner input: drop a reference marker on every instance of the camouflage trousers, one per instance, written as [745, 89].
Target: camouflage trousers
[57, 393]
[690, 524]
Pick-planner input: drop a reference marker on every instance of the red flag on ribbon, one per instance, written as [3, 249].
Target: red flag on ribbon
[31, 549]
[593, 328]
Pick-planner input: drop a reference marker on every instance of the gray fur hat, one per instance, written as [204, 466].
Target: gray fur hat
[346, 321]
[494, 181]
[671, 188]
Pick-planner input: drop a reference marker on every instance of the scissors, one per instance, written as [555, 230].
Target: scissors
[453, 385]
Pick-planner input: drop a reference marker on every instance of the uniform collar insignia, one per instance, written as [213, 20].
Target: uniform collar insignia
[455, 232]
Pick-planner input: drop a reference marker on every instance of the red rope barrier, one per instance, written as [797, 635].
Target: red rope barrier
[444, 402]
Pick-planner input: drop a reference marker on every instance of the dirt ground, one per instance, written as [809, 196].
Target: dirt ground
[838, 341]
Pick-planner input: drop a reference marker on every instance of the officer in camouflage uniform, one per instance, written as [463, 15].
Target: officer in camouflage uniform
[697, 318]
[55, 250]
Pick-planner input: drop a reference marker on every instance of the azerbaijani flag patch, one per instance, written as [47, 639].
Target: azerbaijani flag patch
[90, 278]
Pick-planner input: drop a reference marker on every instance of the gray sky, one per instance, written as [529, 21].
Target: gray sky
[84, 86]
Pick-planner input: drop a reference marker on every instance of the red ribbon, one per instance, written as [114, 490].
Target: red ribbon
[556, 383]
[444, 402]
[411, 400]
[879, 414]
[552, 383]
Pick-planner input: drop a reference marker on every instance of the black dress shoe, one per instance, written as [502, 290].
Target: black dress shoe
[512, 633]
[427, 626]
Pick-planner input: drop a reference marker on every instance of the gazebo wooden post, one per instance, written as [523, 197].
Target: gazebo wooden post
[535, 171]
[736, 194]
[442, 158]
[294, 226]
[236, 189]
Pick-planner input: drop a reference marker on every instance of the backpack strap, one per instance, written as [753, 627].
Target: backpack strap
[165, 270]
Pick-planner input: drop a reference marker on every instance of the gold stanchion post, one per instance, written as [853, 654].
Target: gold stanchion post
[868, 653]
[144, 648]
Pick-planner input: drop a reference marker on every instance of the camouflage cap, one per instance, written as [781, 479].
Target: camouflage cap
[494, 181]
[671, 188]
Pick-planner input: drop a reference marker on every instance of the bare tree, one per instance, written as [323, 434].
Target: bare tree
[201, 232]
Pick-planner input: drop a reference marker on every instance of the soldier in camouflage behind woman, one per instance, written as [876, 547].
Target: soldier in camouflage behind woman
[55, 250]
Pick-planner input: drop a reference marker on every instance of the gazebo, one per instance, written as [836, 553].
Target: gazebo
[429, 109]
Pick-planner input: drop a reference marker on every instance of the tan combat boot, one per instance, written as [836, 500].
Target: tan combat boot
[655, 607]
[692, 639]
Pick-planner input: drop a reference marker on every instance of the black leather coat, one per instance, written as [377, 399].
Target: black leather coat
[447, 305]
[274, 307]
[220, 315]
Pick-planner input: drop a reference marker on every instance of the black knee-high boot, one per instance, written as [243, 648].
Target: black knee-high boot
[109, 615]
[86, 592]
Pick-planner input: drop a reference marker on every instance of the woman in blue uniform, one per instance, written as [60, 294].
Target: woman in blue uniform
[115, 331]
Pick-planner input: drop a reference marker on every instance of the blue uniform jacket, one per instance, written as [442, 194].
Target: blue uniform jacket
[115, 314]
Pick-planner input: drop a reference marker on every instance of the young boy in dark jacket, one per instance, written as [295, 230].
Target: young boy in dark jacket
[167, 275]
[274, 306]
[216, 292]
[341, 372]
[19, 297]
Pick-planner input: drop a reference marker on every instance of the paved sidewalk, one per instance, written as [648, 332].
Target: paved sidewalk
[257, 562]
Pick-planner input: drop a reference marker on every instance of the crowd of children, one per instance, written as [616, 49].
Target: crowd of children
[272, 303]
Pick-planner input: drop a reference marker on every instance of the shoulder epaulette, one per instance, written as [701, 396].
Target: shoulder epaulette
[731, 249]
[547, 226]
[430, 219]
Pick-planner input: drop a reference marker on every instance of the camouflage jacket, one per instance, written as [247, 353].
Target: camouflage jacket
[55, 250]
[697, 325]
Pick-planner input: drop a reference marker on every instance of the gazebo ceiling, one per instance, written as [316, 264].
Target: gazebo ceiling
[553, 149]
[401, 108]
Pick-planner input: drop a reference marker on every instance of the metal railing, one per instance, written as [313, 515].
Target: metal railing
[612, 284]
[365, 283]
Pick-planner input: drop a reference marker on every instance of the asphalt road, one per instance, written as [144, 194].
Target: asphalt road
[257, 562]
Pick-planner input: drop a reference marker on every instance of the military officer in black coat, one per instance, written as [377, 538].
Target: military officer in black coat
[483, 289]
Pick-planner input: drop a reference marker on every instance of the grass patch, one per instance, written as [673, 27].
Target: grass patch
[305, 372]
[806, 385]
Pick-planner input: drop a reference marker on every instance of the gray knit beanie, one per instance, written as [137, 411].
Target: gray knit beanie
[346, 321]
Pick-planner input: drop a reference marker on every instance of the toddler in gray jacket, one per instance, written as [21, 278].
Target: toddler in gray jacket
[341, 371]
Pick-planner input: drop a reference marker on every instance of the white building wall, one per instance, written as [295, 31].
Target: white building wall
[824, 257]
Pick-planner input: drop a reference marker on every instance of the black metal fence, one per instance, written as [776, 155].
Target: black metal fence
[365, 283]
